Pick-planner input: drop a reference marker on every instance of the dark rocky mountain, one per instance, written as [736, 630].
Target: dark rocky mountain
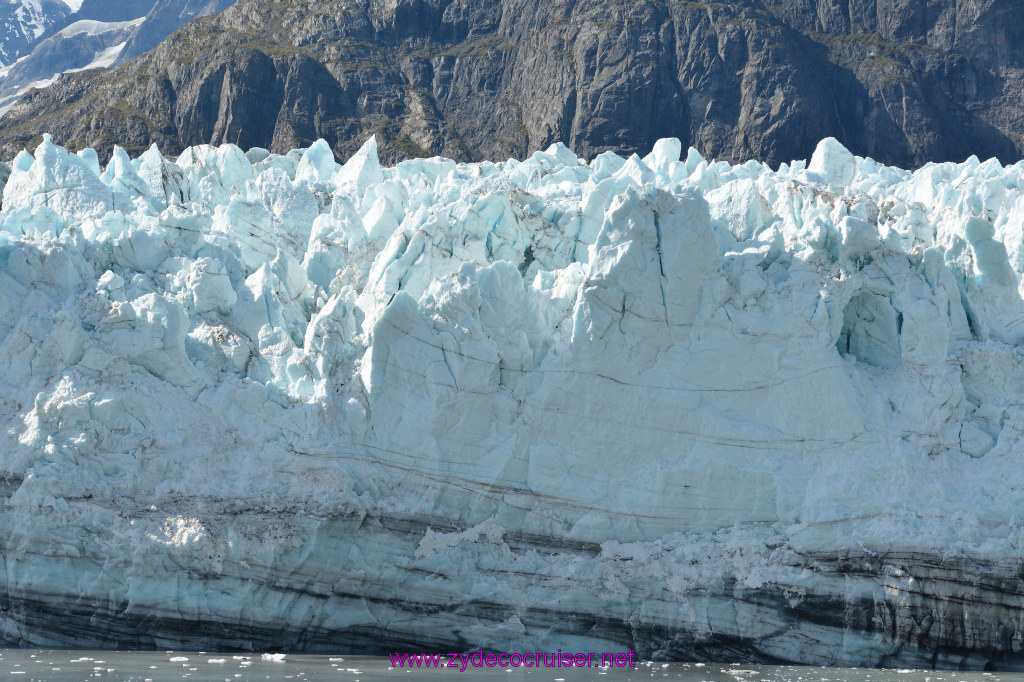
[903, 81]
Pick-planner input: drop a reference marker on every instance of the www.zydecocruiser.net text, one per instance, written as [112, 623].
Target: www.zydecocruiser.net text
[478, 659]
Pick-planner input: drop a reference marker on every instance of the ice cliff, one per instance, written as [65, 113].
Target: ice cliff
[693, 409]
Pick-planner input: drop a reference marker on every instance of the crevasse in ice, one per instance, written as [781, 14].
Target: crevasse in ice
[643, 402]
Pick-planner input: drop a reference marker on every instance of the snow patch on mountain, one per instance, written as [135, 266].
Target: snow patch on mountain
[22, 22]
[101, 59]
[80, 46]
[34, 53]
[31, 16]
[92, 27]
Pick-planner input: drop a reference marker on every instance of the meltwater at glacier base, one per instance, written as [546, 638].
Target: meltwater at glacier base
[695, 410]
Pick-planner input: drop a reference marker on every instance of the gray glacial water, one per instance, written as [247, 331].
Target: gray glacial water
[163, 666]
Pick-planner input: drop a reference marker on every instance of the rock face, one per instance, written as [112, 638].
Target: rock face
[163, 18]
[695, 410]
[904, 81]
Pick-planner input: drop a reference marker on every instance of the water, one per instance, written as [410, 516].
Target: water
[163, 666]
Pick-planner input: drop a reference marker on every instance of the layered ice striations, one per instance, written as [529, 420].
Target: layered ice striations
[688, 408]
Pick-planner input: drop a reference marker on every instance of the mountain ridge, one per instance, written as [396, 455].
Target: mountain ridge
[902, 81]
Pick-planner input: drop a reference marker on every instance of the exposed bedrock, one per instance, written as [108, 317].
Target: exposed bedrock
[902, 81]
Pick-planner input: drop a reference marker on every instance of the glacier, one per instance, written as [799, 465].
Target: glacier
[699, 411]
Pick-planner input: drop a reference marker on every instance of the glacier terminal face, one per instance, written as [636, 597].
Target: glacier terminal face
[697, 410]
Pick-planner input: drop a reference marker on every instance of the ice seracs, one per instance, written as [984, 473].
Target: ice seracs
[693, 409]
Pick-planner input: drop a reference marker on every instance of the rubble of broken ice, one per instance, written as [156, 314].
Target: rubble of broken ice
[692, 409]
